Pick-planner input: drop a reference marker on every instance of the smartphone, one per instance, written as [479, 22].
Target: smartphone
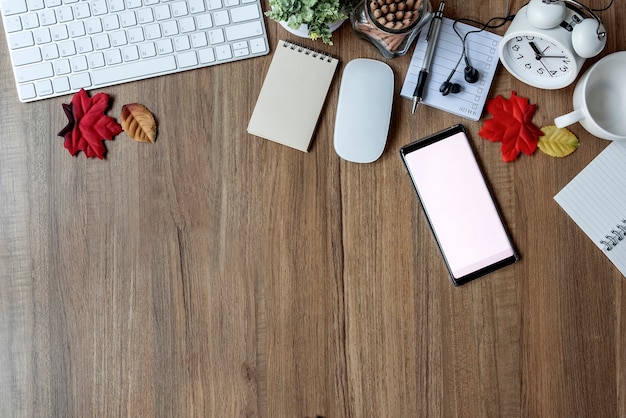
[458, 204]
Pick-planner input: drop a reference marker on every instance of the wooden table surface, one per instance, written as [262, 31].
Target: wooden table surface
[216, 274]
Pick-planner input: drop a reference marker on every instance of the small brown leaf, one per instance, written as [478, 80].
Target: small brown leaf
[138, 122]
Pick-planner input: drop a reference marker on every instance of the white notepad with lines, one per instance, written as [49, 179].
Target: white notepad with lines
[482, 52]
[596, 200]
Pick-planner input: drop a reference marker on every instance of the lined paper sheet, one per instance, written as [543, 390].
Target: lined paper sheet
[482, 51]
[596, 200]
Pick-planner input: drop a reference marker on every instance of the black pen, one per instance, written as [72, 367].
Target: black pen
[431, 42]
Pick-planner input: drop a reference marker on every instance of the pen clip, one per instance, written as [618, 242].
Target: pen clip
[430, 29]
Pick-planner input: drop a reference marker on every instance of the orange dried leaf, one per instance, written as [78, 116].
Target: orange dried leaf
[138, 122]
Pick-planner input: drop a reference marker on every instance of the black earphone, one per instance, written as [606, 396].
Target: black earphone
[470, 74]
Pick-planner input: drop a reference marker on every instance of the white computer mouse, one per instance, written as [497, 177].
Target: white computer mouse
[363, 110]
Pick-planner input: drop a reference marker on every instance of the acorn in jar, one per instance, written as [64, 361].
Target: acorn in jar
[391, 25]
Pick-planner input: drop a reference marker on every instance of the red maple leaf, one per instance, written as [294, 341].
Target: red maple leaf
[512, 126]
[88, 126]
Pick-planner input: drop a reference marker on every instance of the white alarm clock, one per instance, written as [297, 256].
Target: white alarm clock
[548, 41]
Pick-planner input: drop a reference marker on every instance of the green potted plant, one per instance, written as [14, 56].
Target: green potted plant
[316, 18]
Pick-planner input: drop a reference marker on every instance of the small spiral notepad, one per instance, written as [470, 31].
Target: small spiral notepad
[482, 51]
[292, 95]
[596, 200]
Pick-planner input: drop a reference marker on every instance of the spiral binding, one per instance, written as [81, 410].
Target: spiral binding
[617, 234]
[307, 51]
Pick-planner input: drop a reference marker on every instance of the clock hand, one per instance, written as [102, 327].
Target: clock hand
[538, 53]
[553, 56]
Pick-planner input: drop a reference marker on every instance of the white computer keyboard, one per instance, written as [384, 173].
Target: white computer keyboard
[60, 46]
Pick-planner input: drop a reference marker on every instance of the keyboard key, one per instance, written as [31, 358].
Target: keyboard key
[81, 11]
[116, 5]
[21, 40]
[30, 21]
[145, 16]
[79, 63]
[113, 56]
[47, 17]
[214, 4]
[26, 91]
[27, 56]
[130, 53]
[179, 9]
[42, 36]
[33, 72]
[196, 6]
[206, 55]
[84, 45]
[143, 68]
[98, 7]
[64, 14]
[181, 43]
[80, 81]
[62, 67]
[244, 13]
[147, 50]
[257, 45]
[223, 52]
[118, 38]
[96, 60]
[61, 84]
[164, 46]
[169, 28]
[162, 12]
[50, 52]
[67, 48]
[204, 21]
[76, 29]
[59, 33]
[244, 30]
[221, 18]
[198, 40]
[13, 7]
[216, 36]
[93, 26]
[128, 19]
[110, 22]
[13, 24]
[241, 52]
[153, 31]
[101, 42]
[187, 59]
[133, 4]
[135, 35]
[187, 24]
[35, 4]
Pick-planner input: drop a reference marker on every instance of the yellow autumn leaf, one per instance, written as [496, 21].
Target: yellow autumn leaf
[138, 122]
[557, 142]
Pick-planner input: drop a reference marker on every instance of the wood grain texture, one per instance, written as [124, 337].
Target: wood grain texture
[216, 274]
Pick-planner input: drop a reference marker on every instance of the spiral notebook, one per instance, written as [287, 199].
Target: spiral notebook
[292, 95]
[596, 200]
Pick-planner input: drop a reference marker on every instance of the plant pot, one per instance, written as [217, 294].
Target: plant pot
[303, 30]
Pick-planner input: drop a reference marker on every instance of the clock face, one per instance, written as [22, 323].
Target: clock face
[538, 61]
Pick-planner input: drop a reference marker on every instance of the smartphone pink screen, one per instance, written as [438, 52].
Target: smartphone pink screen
[457, 202]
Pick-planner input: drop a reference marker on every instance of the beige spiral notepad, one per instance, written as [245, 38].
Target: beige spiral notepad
[292, 95]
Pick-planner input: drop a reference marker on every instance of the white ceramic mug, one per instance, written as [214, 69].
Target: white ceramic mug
[600, 99]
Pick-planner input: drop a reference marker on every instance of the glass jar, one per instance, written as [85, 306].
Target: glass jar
[391, 25]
